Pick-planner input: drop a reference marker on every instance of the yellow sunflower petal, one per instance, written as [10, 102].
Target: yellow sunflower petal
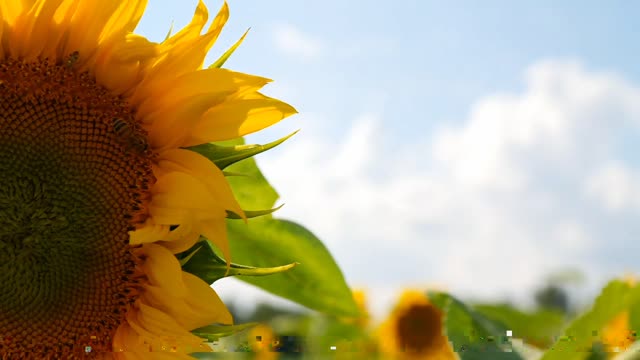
[199, 307]
[213, 308]
[183, 52]
[127, 340]
[163, 269]
[179, 232]
[203, 169]
[2, 30]
[148, 233]
[186, 240]
[56, 33]
[118, 64]
[240, 117]
[125, 19]
[188, 55]
[193, 29]
[178, 123]
[162, 331]
[195, 197]
[87, 24]
[32, 30]
[209, 81]
[11, 10]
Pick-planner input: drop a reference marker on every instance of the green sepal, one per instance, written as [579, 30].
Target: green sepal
[202, 261]
[169, 32]
[216, 331]
[218, 63]
[232, 173]
[224, 156]
[252, 213]
[189, 254]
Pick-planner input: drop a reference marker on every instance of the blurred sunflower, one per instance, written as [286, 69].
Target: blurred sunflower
[617, 335]
[97, 190]
[361, 321]
[360, 297]
[359, 342]
[262, 341]
[413, 330]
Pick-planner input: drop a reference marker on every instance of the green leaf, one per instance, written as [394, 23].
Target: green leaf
[218, 63]
[634, 314]
[265, 242]
[203, 261]
[583, 332]
[537, 328]
[224, 156]
[316, 283]
[472, 335]
[215, 332]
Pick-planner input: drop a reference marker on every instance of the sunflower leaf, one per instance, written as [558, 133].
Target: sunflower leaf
[203, 261]
[538, 328]
[472, 335]
[252, 213]
[215, 331]
[218, 63]
[583, 332]
[317, 283]
[634, 313]
[224, 156]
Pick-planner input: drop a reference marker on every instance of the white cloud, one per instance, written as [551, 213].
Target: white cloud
[615, 186]
[293, 41]
[521, 187]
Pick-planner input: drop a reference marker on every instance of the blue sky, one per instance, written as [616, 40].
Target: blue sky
[494, 138]
[433, 55]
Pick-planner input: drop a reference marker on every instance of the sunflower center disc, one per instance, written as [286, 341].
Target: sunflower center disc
[74, 180]
[420, 328]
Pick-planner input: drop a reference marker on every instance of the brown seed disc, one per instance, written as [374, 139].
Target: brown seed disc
[419, 329]
[74, 178]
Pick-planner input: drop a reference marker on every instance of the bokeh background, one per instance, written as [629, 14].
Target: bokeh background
[485, 148]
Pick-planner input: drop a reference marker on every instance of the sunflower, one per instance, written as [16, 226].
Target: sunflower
[262, 341]
[617, 335]
[360, 297]
[413, 330]
[98, 189]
